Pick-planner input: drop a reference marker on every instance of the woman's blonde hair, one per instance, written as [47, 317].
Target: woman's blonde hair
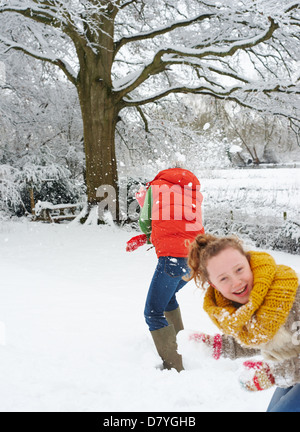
[206, 246]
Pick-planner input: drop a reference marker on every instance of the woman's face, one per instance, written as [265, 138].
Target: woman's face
[230, 273]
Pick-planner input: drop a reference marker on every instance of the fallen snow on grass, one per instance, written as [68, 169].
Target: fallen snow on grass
[73, 336]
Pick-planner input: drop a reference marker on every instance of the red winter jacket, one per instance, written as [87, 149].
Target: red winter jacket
[176, 211]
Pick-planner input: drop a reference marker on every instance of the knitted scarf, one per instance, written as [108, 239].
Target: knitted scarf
[271, 299]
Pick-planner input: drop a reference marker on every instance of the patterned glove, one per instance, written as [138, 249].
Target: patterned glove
[258, 376]
[135, 242]
[213, 342]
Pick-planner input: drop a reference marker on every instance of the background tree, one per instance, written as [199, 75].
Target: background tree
[41, 145]
[127, 53]
[248, 137]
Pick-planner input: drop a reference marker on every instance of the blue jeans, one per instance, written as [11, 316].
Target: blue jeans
[286, 400]
[167, 281]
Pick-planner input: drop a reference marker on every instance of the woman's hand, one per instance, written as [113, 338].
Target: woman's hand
[213, 342]
[257, 376]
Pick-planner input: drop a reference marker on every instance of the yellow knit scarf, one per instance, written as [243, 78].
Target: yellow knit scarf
[272, 297]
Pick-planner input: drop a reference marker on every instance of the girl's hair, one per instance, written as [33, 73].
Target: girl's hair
[206, 246]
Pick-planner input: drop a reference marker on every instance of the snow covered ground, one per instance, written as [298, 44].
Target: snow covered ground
[72, 331]
[257, 192]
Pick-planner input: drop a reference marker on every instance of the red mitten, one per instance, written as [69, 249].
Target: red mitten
[258, 376]
[135, 242]
[213, 342]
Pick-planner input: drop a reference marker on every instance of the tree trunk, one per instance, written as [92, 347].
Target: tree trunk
[100, 108]
[32, 203]
[99, 114]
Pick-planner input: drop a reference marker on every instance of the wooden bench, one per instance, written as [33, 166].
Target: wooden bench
[56, 213]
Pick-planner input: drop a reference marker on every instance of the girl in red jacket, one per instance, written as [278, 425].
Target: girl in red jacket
[171, 219]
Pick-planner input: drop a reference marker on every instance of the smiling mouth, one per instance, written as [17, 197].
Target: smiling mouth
[241, 292]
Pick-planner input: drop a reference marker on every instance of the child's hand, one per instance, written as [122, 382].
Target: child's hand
[135, 242]
[213, 342]
[257, 376]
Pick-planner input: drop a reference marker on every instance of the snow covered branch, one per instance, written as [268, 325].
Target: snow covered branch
[160, 31]
[44, 15]
[293, 5]
[209, 90]
[48, 57]
[238, 94]
[229, 50]
[173, 55]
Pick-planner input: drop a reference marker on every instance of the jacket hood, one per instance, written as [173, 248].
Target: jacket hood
[177, 176]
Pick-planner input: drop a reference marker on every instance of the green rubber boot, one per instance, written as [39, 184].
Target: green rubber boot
[166, 345]
[174, 317]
